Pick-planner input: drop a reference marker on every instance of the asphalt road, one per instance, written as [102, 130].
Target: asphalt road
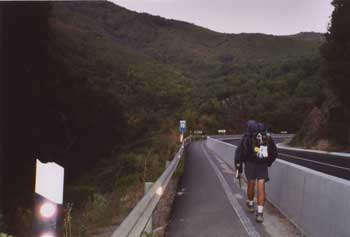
[326, 163]
[210, 202]
[202, 201]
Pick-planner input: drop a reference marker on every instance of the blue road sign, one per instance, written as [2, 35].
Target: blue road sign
[183, 126]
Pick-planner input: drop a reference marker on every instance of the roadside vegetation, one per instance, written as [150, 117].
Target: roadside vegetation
[103, 196]
[327, 126]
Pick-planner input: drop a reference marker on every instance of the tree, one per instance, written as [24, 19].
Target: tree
[336, 52]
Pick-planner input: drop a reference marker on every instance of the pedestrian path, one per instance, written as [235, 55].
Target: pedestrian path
[211, 203]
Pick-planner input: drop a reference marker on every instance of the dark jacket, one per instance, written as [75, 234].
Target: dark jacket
[245, 152]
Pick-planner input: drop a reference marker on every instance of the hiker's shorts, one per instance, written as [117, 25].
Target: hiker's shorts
[254, 171]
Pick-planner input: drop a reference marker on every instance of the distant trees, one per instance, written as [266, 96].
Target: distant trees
[279, 94]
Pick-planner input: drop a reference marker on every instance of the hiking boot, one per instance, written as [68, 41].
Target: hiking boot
[250, 208]
[259, 217]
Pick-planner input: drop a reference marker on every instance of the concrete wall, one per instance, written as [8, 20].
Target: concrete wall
[317, 203]
[224, 150]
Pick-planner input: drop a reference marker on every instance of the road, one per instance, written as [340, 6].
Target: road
[210, 203]
[326, 163]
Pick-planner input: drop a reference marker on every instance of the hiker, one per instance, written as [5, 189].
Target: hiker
[256, 151]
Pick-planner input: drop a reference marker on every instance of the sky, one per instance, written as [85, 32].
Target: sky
[278, 17]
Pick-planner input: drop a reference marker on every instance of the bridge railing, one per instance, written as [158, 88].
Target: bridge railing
[139, 218]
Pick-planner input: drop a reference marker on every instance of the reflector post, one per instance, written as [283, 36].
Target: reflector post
[48, 211]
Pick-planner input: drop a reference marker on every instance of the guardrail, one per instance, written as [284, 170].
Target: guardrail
[316, 202]
[137, 220]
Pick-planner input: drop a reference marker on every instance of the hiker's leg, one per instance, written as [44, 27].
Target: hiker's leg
[250, 190]
[262, 176]
[261, 192]
[250, 175]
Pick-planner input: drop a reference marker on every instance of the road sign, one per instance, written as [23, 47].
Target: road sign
[183, 126]
[222, 131]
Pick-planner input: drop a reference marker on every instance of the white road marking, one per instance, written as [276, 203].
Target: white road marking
[247, 224]
[180, 193]
[312, 161]
[228, 172]
[224, 166]
[239, 196]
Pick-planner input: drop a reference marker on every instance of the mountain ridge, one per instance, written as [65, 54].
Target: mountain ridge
[316, 35]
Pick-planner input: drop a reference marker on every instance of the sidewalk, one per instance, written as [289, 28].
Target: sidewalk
[210, 203]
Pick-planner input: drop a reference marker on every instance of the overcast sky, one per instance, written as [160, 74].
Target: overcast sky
[279, 17]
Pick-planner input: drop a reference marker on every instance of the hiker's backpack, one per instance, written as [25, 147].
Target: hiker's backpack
[260, 143]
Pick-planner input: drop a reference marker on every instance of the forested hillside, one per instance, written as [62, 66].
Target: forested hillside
[275, 79]
[100, 90]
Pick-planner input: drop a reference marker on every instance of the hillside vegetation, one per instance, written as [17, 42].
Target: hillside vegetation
[204, 72]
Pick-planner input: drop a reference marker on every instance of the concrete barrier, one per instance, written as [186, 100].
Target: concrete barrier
[317, 203]
[224, 150]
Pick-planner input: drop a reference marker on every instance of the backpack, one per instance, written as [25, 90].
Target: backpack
[260, 143]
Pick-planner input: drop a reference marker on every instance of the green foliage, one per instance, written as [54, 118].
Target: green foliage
[166, 67]
[336, 54]
[336, 51]
[99, 208]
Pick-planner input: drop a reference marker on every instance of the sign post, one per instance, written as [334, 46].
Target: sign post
[182, 129]
[48, 215]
